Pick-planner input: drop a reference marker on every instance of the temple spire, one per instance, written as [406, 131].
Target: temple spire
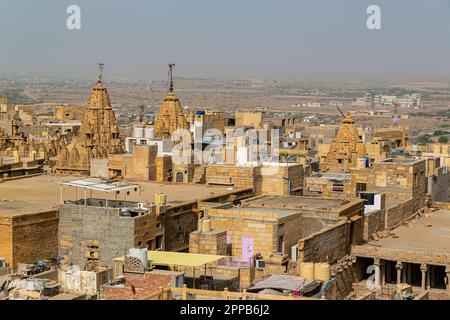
[101, 66]
[170, 77]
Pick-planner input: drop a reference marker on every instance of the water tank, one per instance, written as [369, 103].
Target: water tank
[206, 225]
[141, 254]
[160, 199]
[149, 133]
[322, 271]
[138, 132]
[307, 270]
[199, 113]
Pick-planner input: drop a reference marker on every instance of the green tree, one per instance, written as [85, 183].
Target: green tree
[443, 139]
[424, 139]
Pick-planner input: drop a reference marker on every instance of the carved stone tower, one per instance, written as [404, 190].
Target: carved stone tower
[345, 149]
[98, 135]
[170, 116]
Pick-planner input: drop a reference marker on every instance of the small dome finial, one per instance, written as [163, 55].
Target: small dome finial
[170, 77]
[101, 66]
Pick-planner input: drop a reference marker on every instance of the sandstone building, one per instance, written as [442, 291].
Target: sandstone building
[103, 223]
[28, 236]
[170, 116]
[98, 135]
[345, 149]
[418, 255]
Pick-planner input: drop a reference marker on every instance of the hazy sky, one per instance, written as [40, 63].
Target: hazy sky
[227, 38]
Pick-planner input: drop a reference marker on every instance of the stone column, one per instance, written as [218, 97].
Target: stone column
[352, 261]
[432, 277]
[377, 263]
[424, 268]
[447, 279]
[409, 274]
[399, 267]
[388, 271]
[405, 273]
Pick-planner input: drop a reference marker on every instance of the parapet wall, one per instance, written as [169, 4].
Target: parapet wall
[397, 214]
[327, 245]
[28, 237]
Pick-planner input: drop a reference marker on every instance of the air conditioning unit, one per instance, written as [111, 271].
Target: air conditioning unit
[260, 264]
[141, 206]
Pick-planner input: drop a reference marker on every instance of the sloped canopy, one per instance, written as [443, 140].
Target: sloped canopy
[286, 282]
[167, 258]
[99, 185]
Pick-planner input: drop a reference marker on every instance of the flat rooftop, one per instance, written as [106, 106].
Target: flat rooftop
[398, 161]
[40, 193]
[281, 213]
[296, 202]
[426, 241]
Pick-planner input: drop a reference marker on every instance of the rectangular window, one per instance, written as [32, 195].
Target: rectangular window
[360, 187]
[158, 242]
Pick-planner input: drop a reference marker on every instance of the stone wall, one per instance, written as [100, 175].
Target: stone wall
[438, 185]
[314, 185]
[272, 180]
[179, 222]
[259, 225]
[6, 236]
[239, 177]
[312, 225]
[373, 222]
[29, 237]
[344, 273]
[327, 245]
[214, 242]
[291, 230]
[146, 229]
[395, 215]
[141, 165]
[79, 225]
[163, 168]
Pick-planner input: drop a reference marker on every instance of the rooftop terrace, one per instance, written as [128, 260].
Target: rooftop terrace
[427, 241]
[40, 193]
[296, 202]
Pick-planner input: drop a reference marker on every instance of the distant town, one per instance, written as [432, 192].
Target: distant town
[306, 196]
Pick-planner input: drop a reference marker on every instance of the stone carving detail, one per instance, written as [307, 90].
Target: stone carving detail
[170, 116]
[345, 149]
[98, 136]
